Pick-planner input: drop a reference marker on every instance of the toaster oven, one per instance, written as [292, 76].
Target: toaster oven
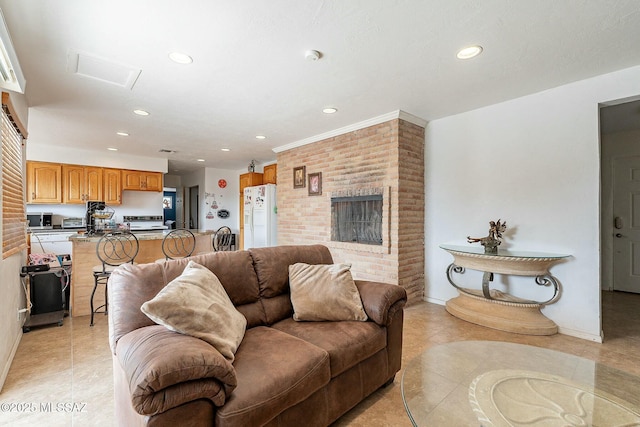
[73, 223]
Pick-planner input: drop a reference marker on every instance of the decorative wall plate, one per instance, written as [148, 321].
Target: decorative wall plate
[222, 183]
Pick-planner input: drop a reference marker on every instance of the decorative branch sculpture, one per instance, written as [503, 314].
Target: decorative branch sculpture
[493, 240]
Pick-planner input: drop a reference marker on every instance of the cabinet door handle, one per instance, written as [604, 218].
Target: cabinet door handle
[33, 195]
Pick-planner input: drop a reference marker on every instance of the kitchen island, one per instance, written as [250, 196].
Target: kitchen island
[84, 259]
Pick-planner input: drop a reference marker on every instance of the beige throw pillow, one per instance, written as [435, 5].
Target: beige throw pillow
[195, 303]
[324, 292]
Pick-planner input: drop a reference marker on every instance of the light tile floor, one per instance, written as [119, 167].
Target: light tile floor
[70, 366]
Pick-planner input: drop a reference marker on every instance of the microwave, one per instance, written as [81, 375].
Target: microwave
[39, 220]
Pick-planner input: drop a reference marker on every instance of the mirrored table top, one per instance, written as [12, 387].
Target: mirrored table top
[479, 250]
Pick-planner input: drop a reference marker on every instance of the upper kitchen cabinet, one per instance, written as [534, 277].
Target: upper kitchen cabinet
[81, 183]
[249, 180]
[270, 175]
[44, 182]
[141, 181]
[112, 180]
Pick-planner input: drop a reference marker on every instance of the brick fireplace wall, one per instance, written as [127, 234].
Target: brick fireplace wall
[388, 155]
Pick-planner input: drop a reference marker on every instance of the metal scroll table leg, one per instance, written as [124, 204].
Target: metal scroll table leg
[486, 278]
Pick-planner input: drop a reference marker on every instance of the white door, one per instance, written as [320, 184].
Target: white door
[626, 224]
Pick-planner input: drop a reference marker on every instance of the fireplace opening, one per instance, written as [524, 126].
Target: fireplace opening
[357, 219]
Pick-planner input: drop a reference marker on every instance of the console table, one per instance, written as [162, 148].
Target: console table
[496, 309]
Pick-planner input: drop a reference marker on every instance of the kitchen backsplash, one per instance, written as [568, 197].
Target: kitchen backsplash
[133, 203]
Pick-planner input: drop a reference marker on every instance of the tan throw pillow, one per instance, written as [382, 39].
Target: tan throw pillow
[195, 303]
[324, 292]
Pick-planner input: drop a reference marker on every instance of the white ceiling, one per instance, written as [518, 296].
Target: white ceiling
[250, 76]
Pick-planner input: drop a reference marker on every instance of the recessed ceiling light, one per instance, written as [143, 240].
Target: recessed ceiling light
[261, 137]
[141, 112]
[112, 149]
[122, 133]
[469, 52]
[180, 58]
[225, 149]
[329, 110]
[201, 160]
[312, 55]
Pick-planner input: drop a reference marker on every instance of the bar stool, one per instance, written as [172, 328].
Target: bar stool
[179, 243]
[222, 239]
[113, 249]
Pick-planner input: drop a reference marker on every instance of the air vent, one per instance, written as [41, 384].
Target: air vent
[164, 150]
[102, 69]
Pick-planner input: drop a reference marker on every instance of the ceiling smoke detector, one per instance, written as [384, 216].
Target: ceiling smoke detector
[312, 55]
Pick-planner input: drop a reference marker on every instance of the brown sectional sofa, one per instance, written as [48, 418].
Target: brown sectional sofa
[285, 373]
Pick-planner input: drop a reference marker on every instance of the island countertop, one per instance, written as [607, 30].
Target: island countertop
[84, 259]
[140, 235]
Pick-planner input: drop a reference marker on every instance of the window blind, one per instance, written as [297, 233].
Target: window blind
[14, 238]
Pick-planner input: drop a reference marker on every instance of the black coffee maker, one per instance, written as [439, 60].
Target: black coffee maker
[93, 207]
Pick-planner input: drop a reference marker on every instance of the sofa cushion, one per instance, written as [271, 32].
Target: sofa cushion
[324, 292]
[272, 269]
[196, 304]
[275, 371]
[348, 343]
[237, 275]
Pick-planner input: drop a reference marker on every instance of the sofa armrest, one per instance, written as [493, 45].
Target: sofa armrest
[166, 369]
[380, 300]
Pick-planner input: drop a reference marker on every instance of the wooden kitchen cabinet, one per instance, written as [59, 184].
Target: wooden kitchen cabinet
[44, 182]
[141, 181]
[270, 175]
[81, 183]
[112, 190]
[249, 179]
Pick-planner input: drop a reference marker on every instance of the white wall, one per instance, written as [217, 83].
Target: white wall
[225, 198]
[107, 159]
[533, 161]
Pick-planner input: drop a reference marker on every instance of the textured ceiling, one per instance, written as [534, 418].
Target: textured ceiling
[250, 76]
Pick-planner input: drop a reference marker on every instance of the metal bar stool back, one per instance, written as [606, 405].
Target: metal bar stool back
[222, 239]
[113, 249]
[178, 243]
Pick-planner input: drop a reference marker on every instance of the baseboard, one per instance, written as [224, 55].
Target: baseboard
[7, 365]
[580, 334]
[435, 301]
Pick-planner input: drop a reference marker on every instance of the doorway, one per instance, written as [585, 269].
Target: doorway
[620, 205]
[169, 207]
[194, 220]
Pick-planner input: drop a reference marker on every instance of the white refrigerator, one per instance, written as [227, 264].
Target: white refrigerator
[260, 220]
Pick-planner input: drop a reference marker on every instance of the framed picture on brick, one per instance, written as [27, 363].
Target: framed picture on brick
[299, 178]
[315, 184]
